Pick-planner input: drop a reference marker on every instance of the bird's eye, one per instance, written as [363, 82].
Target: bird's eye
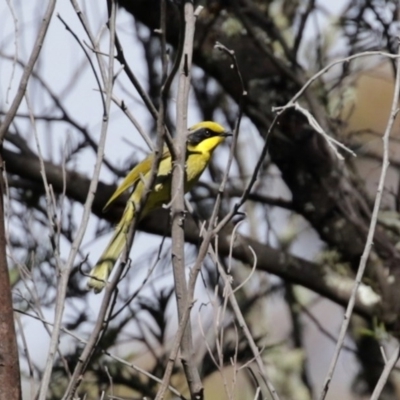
[207, 133]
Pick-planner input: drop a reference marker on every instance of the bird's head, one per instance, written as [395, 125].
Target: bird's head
[206, 136]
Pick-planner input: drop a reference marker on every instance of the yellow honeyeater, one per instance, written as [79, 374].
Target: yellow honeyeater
[201, 141]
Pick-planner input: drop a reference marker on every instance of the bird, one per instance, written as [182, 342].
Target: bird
[201, 141]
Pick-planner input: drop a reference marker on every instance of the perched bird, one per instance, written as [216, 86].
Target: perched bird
[202, 139]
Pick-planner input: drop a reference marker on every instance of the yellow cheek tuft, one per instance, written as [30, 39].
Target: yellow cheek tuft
[209, 144]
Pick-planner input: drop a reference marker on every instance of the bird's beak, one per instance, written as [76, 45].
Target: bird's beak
[226, 134]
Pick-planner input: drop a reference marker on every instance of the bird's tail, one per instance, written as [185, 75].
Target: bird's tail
[101, 271]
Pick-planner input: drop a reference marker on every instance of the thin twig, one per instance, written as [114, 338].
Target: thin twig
[87, 56]
[242, 323]
[332, 64]
[332, 143]
[26, 353]
[302, 25]
[16, 46]
[385, 374]
[86, 27]
[143, 94]
[121, 104]
[37, 47]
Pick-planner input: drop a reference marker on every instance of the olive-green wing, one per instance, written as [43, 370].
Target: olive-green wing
[131, 179]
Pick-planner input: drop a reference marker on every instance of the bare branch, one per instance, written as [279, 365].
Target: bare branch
[10, 384]
[178, 205]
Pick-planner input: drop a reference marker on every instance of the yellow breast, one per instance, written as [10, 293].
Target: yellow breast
[195, 165]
